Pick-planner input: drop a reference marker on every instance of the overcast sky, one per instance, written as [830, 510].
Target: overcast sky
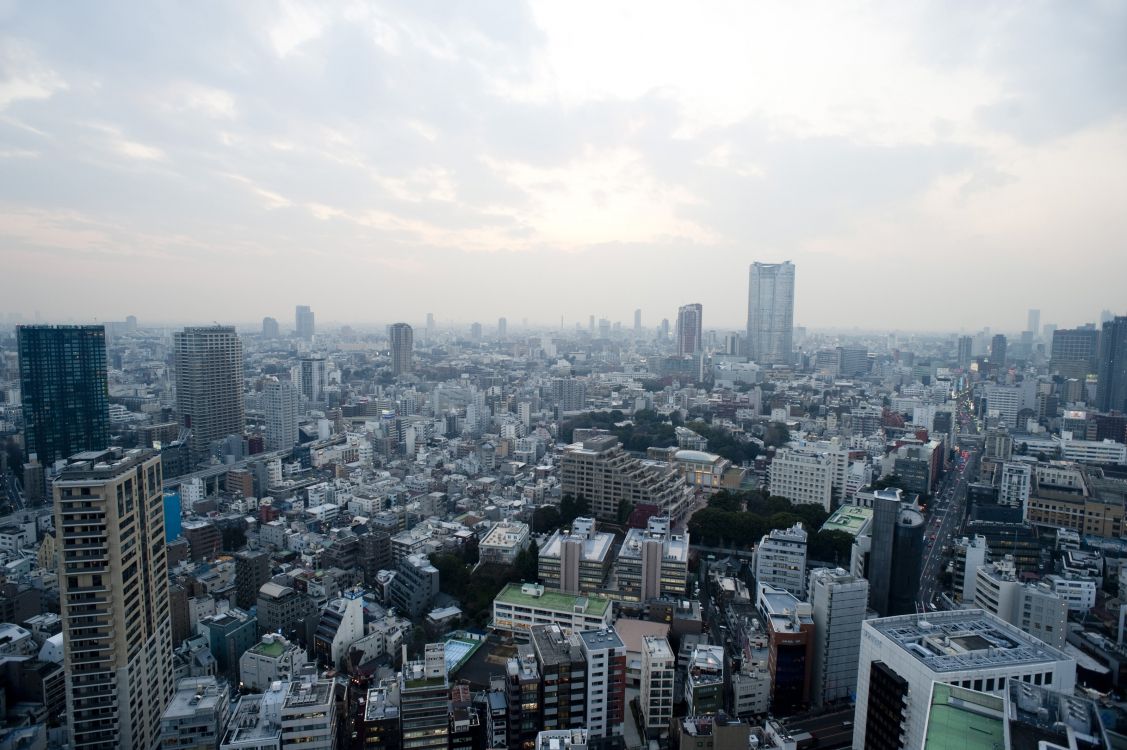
[930, 167]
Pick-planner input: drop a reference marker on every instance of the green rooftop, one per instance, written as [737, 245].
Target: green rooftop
[552, 599]
[961, 719]
[851, 519]
[273, 649]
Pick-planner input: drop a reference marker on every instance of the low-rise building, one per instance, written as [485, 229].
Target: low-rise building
[271, 659]
[197, 714]
[503, 542]
[518, 607]
[780, 559]
[576, 560]
[653, 562]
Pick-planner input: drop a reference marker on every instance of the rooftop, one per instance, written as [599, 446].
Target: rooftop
[606, 638]
[961, 640]
[256, 718]
[377, 706]
[851, 519]
[553, 599]
[961, 719]
[194, 696]
[309, 693]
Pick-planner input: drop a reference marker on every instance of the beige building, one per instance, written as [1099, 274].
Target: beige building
[1073, 496]
[601, 471]
[653, 562]
[209, 384]
[113, 587]
[576, 560]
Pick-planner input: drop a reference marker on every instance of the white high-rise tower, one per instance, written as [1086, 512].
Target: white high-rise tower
[770, 313]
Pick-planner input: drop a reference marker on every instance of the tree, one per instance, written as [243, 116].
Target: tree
[546, 519]
[725, 500]
[777, 435]
[625, 508]
[830, 546]
[526, 566]
[891, 480]
[572, 508]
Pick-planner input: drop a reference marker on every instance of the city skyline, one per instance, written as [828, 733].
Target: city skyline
[877, 148]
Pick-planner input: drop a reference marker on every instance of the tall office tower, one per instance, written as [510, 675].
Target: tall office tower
[475, 332]
[209, 384]
[606, 691]
[1075, 352]
[64, 390]
[896, 555]
[902, 656]
[570, 394]
[113, 591]
[966, 351]
[665, 329]
[1111, 393]
[502, 329]
[269, 328]
[780, 559]
[998, 349]
[402, 348]
[689, 328]
[770, 313]
[1033, 322]
[430, 328]
[311, 378]
[839, 601]
[656, 699]
[303, 322]
[637, 322]
[591, 325]
[279, 402]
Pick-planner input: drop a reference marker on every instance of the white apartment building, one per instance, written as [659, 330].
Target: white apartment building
[1016, 482]
[803, 475]
[271, 659]
[504, 542]
[309, 714]
[1080, 593]
[902, 656]
[658, 668]
[1035, 608]
[780, 560]
[839, 602]
[197, 714]
[1091, 451]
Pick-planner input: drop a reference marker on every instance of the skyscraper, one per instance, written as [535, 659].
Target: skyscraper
[770, 313]
[502, 329]
[64, 390]
[269, 328]
[1033, 321]
[209, 384]
[896, 555]
[637, 322]
[303, 322]
[279, 401]
[311, 378]
[689, 328]
[1111, 394]
[966, 351]
[402, 348]
[1075, 352]
[113, 590]
[998, 349]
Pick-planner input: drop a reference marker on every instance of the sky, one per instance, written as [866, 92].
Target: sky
[926, 166]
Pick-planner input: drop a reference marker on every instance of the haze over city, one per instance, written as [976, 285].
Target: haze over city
[931, 167]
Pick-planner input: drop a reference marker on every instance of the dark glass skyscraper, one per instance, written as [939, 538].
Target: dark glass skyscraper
[64, 390]
[1112, 389]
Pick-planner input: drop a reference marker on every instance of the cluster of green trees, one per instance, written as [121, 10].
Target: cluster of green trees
[475, 588]
[740, 519]
[724, 443]
[647, 427]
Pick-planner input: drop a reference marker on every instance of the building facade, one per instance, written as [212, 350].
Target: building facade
[770, 313]
[209, 385]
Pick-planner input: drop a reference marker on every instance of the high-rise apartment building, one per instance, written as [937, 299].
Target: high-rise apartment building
[1034, 607]
[770, 313]
[502, 329]
[839, 601]
[637, 322]
[64, 390]
[653, 562]
[113, 591]
[424, 700]
[804, 476]
[689, 319]
[790, 645]
[570, 394]
[279, 402]
[303, 322]
[1075, 352]
[576, 560]
[656, 699]
[1111, 393]
[402, 348]
[209, 384]
[563, 676]
[270, 328]
[1033, 321]
[606, 681]
[601, 471]
[310, 378]
[966, 352]
[780, 559]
